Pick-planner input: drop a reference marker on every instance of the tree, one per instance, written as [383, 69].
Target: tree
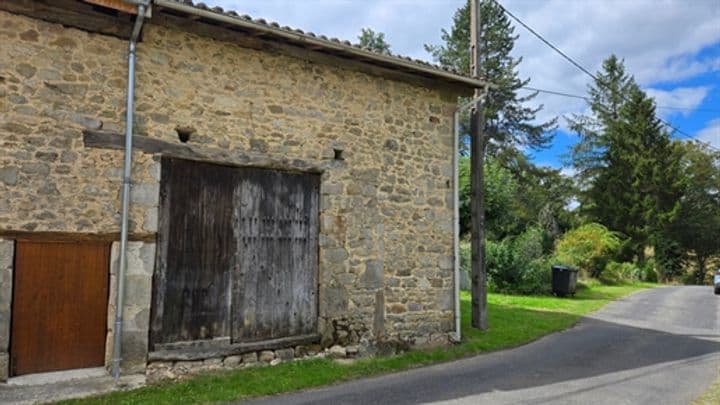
[697, 227]
[518, 198]
[606, 97]
[627, 164]
[501, 190]
[508, 121]
[373, 40]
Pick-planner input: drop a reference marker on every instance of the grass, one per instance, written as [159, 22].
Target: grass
[514, 320]
[711, 396]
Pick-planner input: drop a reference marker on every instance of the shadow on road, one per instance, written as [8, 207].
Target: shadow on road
[592, 348]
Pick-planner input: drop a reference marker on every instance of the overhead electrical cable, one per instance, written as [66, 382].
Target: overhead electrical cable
[587, 72]
[664, 107]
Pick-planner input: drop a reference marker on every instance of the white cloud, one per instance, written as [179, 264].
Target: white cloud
[711, 133]
[685, 99]
[659, 42]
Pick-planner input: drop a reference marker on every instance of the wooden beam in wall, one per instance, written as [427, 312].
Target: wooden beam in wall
[44, 236]
[230, 157]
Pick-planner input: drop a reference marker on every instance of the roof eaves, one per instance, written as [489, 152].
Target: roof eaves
[312, 40]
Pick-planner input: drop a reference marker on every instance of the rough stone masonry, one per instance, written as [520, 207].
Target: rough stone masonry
[386, 264]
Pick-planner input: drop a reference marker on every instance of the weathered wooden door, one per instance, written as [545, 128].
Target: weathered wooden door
[59, 308]
[237, 254]
[275, 287]
[195, 257]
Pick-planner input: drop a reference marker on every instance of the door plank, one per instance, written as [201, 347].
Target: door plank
[194, 270]
[275, 296]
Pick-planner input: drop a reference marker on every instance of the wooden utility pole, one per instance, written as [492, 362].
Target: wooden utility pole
[477, 168]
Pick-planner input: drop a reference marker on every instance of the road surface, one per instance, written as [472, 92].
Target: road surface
[660, 346]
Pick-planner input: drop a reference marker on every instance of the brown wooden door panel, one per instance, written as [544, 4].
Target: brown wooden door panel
[59, 310]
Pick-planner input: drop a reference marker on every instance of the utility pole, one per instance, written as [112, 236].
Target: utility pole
[477, 179]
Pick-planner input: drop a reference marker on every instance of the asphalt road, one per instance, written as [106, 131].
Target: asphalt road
[660, 346]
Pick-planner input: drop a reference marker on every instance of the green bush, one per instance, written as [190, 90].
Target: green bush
[465, 256]
[465, 265]
[618, 273]
[589, 248]
[501, 265]
[647, 271]
[518, 265]
[537, 277]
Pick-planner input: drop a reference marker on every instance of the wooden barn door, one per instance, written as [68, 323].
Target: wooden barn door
[196, 242]
[276, 220]
[237, 254]
[59, 310]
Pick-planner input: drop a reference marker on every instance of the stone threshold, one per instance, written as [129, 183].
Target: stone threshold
[222, 348]
[80, 387]
[57, 376]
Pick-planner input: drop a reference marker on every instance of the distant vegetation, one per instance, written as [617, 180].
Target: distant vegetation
[642, 204]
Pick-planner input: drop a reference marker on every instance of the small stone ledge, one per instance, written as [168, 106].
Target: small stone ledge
[233, 157]
[158, 371]
[203, 351]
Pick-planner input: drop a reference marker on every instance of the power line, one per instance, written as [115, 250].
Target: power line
[664, 107]
[587, 72]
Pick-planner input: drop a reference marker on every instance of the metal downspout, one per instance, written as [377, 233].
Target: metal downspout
[127, 180]
[456, 223]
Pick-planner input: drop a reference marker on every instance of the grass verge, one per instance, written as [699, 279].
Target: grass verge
[711, 396]
[514, 320]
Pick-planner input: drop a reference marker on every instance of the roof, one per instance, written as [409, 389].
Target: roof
[274, 31]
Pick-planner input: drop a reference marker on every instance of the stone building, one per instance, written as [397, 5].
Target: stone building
[344, 157]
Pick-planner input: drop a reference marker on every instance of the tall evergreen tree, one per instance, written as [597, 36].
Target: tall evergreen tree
[607, 96]
[509, 122]
[627, 164]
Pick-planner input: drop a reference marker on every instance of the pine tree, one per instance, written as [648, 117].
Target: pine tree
[607, 96]
[509, 122]
[628, 165]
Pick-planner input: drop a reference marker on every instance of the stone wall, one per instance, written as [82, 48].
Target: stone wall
[7, 252]
[386, 209]
[54, 82]
[136, 308]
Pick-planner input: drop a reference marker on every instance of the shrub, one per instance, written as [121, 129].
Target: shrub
[465, 256]
[537, 277]
[618, 273]
[647, 271]
[589, 248]
[501, 265]
[465, 264]
[518, 266]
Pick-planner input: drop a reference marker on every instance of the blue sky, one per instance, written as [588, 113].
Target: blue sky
[672, 47]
